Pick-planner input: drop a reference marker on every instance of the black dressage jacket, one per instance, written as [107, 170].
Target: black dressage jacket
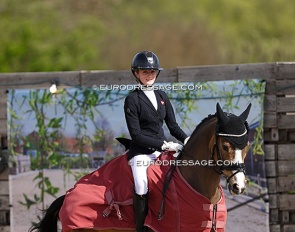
[145, 123]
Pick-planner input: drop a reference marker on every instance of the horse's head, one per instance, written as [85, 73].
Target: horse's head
[231, 148]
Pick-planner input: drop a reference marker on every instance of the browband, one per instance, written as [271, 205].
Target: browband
[231, 135]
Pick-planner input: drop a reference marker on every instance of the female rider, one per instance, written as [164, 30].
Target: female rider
[145, 111]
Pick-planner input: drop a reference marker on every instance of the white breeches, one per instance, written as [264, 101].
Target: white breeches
[139, 165]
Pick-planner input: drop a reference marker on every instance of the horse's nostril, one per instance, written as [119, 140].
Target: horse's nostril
[235, 187]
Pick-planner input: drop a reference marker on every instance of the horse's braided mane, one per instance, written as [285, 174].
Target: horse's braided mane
[209, 117]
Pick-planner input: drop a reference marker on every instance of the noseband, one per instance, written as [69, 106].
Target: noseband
[239, 167]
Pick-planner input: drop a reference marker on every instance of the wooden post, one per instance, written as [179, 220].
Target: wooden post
[279, 137]
[4, 178]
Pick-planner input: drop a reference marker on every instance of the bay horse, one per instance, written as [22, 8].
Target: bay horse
[217, 147]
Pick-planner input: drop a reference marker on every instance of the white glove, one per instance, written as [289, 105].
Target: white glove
[171, 146]
[185, 141]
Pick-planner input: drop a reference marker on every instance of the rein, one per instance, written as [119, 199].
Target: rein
[167, 181]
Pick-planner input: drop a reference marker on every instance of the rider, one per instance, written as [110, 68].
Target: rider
[145, 110]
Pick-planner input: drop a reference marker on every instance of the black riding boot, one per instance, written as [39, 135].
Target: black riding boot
[140, 207]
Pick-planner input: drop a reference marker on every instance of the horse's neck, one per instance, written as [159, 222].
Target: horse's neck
[202, 178]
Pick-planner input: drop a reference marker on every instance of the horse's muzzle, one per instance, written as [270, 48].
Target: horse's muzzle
[235, 189]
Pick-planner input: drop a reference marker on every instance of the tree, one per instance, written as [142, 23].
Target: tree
[104, 135]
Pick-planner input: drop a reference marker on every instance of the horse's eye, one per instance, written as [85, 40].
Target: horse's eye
[224, 147]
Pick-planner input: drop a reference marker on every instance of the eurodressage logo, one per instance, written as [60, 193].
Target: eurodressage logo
[210, 163]
[174, 87]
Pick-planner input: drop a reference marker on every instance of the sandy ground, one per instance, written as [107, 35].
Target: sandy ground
[242, 219]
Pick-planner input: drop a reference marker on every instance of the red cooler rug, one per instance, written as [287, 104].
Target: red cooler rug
[103, 200]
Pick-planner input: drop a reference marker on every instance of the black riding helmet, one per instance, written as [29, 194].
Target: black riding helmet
[145, 60]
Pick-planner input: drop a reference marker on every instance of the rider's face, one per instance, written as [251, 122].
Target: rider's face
[147, 77]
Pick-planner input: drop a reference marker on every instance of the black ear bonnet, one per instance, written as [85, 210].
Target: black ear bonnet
[234, 129]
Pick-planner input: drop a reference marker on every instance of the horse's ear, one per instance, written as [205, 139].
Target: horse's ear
[220, 114]
[245, 114]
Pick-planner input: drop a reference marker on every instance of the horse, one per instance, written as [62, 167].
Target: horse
[217, 147]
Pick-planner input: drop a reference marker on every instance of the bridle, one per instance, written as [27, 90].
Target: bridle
[239, 167]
